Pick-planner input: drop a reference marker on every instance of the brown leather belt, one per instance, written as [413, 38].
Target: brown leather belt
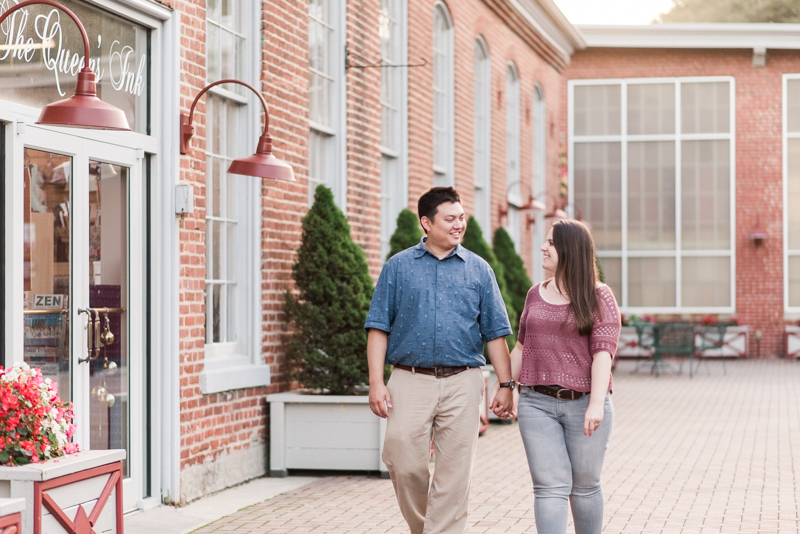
[438, 372]
[556, 392]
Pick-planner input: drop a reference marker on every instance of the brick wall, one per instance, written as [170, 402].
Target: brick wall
[759, 270]
[472, 18]
[219, 426]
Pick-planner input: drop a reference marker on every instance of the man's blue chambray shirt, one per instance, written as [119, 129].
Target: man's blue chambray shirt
[437, 312]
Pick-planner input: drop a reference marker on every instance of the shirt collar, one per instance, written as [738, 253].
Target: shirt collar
[420, 251]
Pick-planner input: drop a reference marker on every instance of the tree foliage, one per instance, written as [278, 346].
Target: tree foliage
[733, 11]
[474, 241]
[516, 277]
[327, 345]
[407, 234]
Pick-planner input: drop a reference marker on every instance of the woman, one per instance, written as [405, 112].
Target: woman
[568, 334]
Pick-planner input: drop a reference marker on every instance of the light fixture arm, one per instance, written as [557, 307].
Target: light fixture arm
[72, 15]
[187, 130]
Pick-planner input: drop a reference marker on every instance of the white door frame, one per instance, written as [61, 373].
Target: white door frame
[82, 150]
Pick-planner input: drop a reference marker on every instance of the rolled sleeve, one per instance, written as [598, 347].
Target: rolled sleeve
[382, 308]
[493, 319]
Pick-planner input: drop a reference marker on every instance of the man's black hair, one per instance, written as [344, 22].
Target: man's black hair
[428, 204]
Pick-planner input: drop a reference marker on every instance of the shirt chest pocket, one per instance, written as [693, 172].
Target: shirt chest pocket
[466, 300]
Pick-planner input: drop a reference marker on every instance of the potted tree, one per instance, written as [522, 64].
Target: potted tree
[407, 234]
[327, 424]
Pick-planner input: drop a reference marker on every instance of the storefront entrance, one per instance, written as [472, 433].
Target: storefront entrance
[79, 216]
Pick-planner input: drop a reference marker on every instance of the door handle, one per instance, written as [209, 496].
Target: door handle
[95, 336]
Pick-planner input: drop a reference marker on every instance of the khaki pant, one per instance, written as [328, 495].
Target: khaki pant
[451, 406]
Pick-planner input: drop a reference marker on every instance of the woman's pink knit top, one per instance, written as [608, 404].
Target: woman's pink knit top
[554, 353]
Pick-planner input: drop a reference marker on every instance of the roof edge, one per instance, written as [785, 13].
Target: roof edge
[694, 35]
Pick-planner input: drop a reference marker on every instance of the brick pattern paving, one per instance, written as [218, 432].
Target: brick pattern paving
[717, 453]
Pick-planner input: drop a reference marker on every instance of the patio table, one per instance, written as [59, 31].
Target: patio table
[662, 339]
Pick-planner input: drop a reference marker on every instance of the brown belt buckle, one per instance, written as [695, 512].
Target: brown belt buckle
[558, 394]
[438, 372]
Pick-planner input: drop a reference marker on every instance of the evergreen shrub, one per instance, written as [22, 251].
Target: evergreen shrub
[407, 234]
[474, 241]
[517, 280]
[327, 347]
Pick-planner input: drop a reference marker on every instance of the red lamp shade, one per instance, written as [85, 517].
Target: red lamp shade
[84, 109]
[263, 164]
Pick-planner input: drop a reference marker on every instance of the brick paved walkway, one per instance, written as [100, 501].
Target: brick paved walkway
[717, 453]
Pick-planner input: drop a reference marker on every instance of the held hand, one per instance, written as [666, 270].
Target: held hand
[379, 400]
[503, 404]
[592, 419]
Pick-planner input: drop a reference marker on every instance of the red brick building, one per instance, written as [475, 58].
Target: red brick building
[379, 100]
[682, 160]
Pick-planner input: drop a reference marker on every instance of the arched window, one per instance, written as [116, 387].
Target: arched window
[394, 117]
[539, 176]
[512, 154]
[482, 135]
[443, 130]
[326, 99]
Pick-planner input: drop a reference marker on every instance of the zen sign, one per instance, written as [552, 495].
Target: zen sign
[48, 302]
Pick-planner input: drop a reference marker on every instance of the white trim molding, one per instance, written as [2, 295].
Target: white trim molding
[694, 35]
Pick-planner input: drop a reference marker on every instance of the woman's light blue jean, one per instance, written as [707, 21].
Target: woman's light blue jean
[564, 463]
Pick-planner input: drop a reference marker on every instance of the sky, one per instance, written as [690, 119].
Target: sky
[612, 11]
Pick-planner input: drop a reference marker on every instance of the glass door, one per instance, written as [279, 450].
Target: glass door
[81, 220]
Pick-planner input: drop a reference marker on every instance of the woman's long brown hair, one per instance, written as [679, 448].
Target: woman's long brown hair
[576, 273]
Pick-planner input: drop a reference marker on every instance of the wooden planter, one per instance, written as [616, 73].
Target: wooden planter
[11, 515]
[324, 432]
[75, 494]
[793, 341]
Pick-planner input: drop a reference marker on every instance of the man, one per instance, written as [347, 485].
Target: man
[440, 303]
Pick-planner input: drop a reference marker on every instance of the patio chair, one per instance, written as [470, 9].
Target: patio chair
[667, 339]
[709, 338]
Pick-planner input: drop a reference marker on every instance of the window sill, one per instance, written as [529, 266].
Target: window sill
[225, 378]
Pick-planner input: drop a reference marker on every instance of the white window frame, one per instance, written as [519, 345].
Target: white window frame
[539, 177]
[394, 161]
[482, 135]
[513, 154]
[623, 138]
[444, 175]
[787, 253]
[240, 364]
[333, 136]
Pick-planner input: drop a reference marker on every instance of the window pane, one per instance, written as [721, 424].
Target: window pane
[651, 196]
[793, 194]
[231, 323]
[214, 67]
[651, 108]
[793, 105]
[216, 193]
[705, 107]
[216, 252]
[612, 273]
[598, 191]
[217, 127]
[233, 148]
[216, 314]
[651, 282]
[706, 282]
[597, 109]
[705, 195]
[794, 281]
[228, 54]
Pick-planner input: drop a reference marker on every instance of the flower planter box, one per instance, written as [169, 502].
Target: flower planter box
[793, 341]
[11, 515]
[629, 344]
[325, 432]
[735, 343]
[78, 493]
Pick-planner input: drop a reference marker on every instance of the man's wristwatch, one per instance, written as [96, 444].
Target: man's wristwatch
[510, 385]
